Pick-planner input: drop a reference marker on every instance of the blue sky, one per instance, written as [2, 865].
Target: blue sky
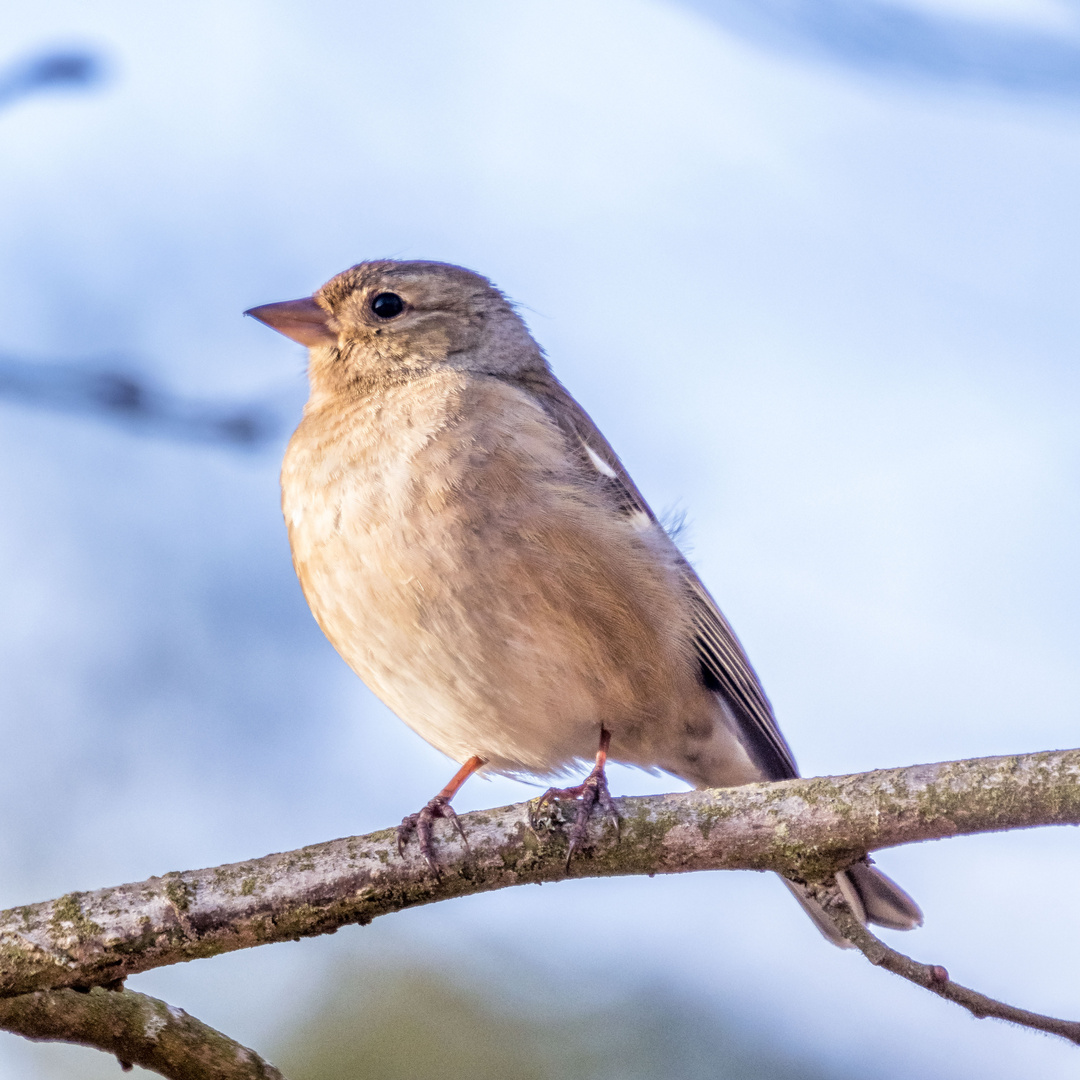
[820, 296]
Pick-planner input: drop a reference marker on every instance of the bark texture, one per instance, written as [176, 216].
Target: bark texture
[805, 829]
[139, 1030]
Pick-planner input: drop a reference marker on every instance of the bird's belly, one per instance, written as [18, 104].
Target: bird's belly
[509, 636]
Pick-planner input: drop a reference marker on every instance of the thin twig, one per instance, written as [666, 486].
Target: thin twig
[139, 1030]
[934, 977]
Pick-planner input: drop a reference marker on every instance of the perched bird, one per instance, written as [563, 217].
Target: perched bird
[475, 550]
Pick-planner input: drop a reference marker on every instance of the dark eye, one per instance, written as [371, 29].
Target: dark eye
[388, 305]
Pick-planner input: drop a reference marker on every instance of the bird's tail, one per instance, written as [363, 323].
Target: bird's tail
[870, 894]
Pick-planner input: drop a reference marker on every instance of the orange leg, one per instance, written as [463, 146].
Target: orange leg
[592, 791]
[460, 777]
[439, 807]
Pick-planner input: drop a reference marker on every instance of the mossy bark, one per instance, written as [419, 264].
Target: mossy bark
[804, 829]
[139, 1030]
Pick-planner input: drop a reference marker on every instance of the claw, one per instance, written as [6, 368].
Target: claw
[590, 793]
[421, 822]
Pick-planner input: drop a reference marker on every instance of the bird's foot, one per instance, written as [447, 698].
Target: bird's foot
[439, 807]
[421, 823]
[592, 792]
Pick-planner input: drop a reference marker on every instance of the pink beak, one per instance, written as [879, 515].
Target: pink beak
[302, 320]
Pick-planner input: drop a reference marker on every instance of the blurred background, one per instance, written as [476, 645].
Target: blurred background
[812, 266]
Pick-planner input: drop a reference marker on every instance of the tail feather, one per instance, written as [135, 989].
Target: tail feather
[871, 895]
[884, 902]
[817, 915]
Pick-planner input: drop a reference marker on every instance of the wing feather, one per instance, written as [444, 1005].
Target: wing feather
[725, 668]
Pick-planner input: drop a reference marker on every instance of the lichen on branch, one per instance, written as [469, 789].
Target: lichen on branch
[805, 829]
[138, 1029]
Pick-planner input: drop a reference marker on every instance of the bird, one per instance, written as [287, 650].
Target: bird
[473, 547]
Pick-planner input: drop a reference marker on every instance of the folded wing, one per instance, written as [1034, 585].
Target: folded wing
[725, 669]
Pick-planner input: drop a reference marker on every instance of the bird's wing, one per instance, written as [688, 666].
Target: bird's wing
[725, 668]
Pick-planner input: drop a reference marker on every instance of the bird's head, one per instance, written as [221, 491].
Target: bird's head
[400, 319]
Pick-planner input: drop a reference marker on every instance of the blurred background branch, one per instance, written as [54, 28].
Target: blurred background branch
[55, 69]
[109, 392]
[1036, 50]
[112, 394]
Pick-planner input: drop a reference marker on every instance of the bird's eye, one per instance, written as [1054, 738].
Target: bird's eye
[388, 305]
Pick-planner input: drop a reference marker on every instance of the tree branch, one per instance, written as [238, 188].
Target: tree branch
[804, 829]
[934, 977]
[139, 1030]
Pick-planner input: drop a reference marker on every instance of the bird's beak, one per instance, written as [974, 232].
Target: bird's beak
[302, 320]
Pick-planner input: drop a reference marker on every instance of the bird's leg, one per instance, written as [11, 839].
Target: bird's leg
[439, 807]
[592, 791]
